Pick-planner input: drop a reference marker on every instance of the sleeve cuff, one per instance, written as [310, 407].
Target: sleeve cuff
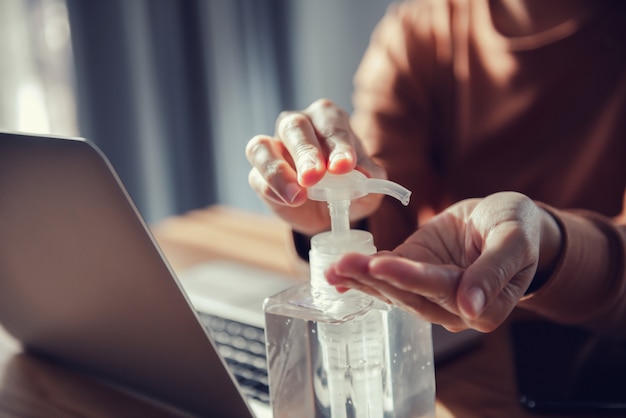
[588, 277]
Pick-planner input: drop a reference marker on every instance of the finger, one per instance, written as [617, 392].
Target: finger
[421, 306]
[343, 284]
[504, 257]
[298, 136]
[332, 125]
[355, 271]
[293, 195]
[358, 267]
[425, 288]
[436, 283]
[498, 310]
[408, 301]
[272, 176]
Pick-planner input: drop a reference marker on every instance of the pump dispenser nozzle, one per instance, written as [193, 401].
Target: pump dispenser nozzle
[350, 186]
[339, 189]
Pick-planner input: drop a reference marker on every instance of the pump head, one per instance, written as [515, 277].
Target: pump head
[339, 189]
[350, 186]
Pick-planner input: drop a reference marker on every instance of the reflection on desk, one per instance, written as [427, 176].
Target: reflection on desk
[33, 387]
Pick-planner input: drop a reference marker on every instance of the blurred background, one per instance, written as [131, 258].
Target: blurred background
[172, 90]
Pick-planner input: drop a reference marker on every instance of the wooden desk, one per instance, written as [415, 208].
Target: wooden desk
[478, 384]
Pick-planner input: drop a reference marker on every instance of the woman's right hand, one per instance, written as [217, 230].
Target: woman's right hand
[306, 145]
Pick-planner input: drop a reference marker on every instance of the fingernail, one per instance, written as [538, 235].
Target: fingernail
[477, 301]
[339, 158]
[292, 190]
[308, 164]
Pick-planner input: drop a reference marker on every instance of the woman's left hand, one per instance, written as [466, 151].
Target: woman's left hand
[466, 268]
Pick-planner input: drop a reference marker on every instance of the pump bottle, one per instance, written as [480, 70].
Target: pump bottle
[336, 355]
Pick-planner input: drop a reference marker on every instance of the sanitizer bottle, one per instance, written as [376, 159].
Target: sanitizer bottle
[346, 355]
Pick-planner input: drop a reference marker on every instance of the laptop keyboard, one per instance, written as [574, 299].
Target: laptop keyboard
[243, 348]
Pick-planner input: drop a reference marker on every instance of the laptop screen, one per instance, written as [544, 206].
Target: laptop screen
[83, 283]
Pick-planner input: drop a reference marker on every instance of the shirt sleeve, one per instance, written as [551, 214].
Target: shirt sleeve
[588, 286]
[394, 117]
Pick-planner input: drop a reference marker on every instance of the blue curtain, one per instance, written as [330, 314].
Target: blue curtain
[172, 90]
[151, 76]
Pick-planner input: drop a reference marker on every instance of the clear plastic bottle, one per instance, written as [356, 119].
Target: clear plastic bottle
[346, 355]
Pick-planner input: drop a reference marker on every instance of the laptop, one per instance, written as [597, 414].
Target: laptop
[84, 284]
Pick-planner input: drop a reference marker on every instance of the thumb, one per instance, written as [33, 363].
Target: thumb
[505, 260]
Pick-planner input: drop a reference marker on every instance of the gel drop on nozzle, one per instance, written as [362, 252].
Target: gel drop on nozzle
[346, 355]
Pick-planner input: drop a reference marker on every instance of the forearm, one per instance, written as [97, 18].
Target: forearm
[587, 284]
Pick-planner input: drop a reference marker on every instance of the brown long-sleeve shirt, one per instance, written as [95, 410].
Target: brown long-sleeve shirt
[454, 108]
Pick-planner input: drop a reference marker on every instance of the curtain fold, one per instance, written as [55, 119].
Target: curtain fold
[247, 86]
[140, 78]
[172, 90]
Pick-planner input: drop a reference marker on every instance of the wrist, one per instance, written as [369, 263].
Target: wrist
[550, 245]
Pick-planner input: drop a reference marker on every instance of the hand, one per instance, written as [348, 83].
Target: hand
[307, 144]
[466, 268]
